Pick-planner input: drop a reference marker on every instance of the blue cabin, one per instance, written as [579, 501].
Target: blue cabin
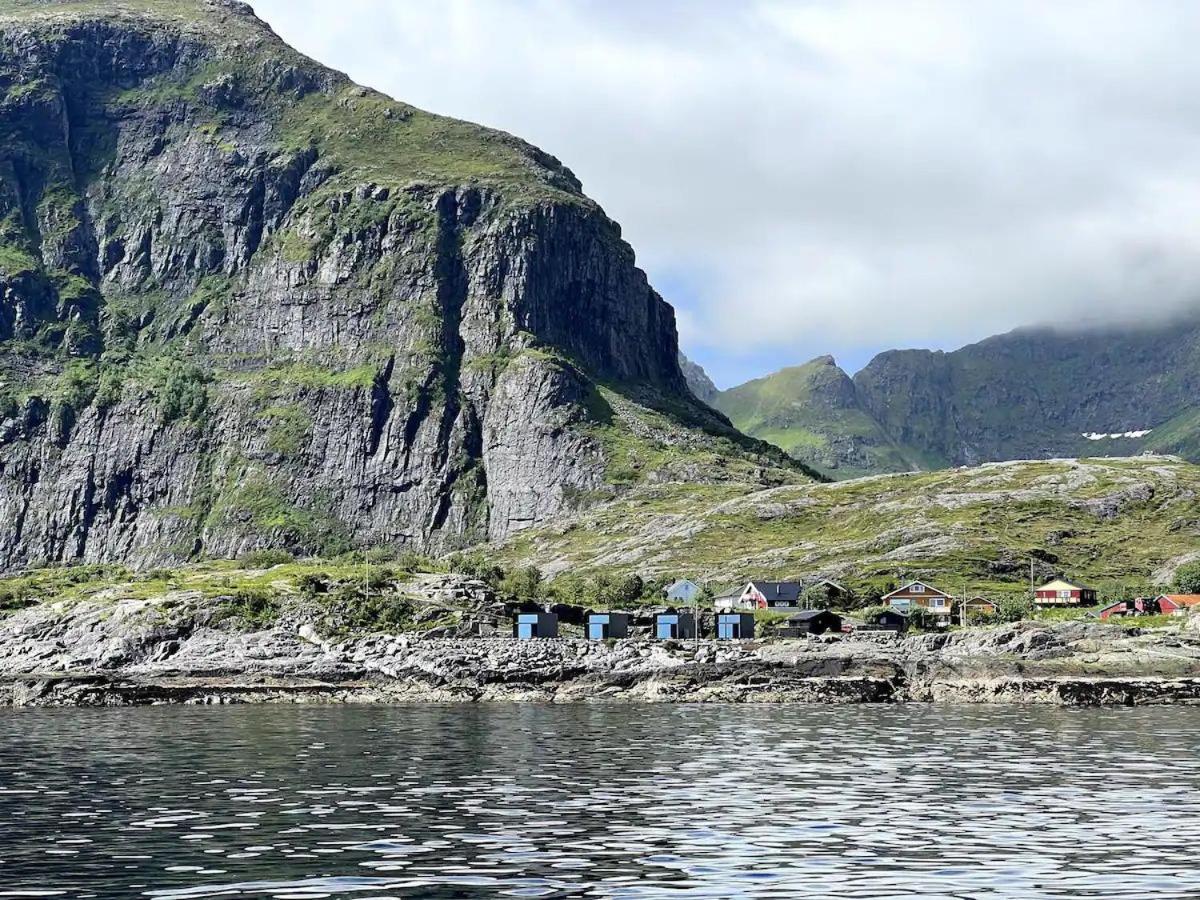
[529, 626]
[602, 626]
[735, 626]
[672, 625]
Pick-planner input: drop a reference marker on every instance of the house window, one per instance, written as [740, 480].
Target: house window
[938, 602]
[918, 589]
[1064, 595]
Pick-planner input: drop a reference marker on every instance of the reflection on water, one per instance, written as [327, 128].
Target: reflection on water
[599, 801]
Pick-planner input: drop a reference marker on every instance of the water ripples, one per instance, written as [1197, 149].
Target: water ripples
[599, 801]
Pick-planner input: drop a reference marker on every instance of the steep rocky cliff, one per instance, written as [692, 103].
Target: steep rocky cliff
[1036, 393]
[245, 302]
[697, 380]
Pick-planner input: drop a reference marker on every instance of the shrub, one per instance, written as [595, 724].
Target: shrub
[311, 584]
[350, 609]
[255, 607]
[1014, 609]
[523, 585]
[11, 600]
[410, 561]
[265, 559]
[380, 579]
[1187, 578]
[476, 566]
[921, 618]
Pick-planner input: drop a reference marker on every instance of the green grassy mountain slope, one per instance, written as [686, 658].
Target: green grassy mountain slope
[1108, 521]
[813, 412]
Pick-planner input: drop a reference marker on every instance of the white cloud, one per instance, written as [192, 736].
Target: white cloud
[822, 173]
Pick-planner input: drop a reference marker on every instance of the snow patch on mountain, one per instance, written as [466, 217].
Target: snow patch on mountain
[1102, 436]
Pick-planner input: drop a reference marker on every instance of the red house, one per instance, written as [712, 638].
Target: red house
[1142, 606]
[1177, 603]
[1061, 592]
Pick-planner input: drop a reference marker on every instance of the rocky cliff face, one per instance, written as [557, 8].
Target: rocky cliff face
[1037, 393]
[1030, 394]
[697, 379]
[245, 302]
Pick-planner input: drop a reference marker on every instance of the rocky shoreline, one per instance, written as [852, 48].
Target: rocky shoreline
[130, 652]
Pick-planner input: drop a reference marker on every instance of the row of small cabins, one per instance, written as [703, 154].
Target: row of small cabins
[674, 625]
[735, 612]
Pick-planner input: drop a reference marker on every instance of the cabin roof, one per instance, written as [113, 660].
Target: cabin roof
[806, 615]
[1059, 584]
[778, 590]
[1182, 599]
[929, 589]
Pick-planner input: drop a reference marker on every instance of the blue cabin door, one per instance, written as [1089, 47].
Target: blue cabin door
[526, 631]
[667, 631]
[598, 631]
[728, 631]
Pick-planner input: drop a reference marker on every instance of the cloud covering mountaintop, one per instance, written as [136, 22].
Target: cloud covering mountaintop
[806, 177]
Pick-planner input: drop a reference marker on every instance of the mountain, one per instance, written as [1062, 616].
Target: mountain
[697, 380]
[247, 303]
[814, 412]
[1030, 394]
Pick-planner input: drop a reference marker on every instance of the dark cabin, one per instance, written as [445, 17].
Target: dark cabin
[528, 626]
[890, 620]
[674, 625]
[602, 626]
[810, 621]
[735, 626]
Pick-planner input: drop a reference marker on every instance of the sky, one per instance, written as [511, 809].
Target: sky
[801, 177]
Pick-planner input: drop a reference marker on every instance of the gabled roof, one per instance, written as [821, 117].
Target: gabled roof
[1073, 585]
[1182, 599]
[787, 591]
[929, 589]
[682, 582]
[806, 614]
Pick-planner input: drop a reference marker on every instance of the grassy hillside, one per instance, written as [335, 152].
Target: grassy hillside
[1109, 521]
[812, 411]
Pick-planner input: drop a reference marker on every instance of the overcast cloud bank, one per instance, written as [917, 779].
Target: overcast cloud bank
[804, 176]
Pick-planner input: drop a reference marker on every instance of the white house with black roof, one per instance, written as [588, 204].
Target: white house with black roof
[782, 595]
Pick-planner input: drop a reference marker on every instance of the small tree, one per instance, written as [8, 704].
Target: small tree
[524, 584]
[630, 589]
[1187, 578]
[921, 618]
[872, 596]
[1014, 609]
[815, 597]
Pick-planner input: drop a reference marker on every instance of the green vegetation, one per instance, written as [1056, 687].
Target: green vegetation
[965, 530]
[262, 503]
[813, 412]
[309, 373]
[1187, 578]
[380, 140]
[15, 260]
[289, 429]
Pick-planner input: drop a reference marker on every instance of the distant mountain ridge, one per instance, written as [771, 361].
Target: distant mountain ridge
[1034, 393]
